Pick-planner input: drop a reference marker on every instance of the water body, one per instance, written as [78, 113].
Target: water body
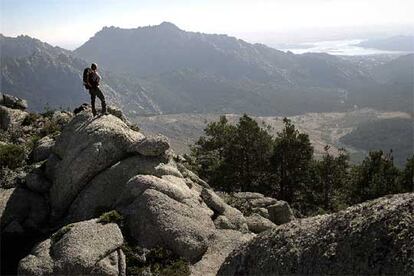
[336, 47]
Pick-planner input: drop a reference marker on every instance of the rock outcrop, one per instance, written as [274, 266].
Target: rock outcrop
[86, 147]
[98, 164]
[84, 248]
[371, 238]
[262, 213]
[84, 166]
[13, 102]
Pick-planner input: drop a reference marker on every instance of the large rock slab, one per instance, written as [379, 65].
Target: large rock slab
[152, 146]
[84, 248]
[372, 238]
[105, 189]
[158, 218]
[86, 147]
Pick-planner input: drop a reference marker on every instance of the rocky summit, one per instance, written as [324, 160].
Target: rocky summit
[96, 196]
[98, 164]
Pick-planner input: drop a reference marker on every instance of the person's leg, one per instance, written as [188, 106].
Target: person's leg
[93, 97]
[101, 96]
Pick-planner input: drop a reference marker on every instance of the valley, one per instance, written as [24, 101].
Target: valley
[323, 128]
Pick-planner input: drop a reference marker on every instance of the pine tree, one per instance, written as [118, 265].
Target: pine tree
[234, 157]
[208, 151]
[291, 158]
[407, 176]
[376, 176]
[248, 154]
[332, 174]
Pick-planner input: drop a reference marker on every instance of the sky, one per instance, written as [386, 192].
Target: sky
[69, 23]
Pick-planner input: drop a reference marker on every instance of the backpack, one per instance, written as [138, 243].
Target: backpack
[86, 73]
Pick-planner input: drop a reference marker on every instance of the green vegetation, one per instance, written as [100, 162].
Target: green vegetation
[331, 178]
[32, 142]
[234, 157]
[157, 261]
[61, 232]
[291, 159]
[31, 119]
[12, 156]
[245, 157]
[111, 216]
[407, 177]
[374, 177]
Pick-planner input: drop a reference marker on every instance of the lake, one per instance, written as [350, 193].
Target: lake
[336, 47]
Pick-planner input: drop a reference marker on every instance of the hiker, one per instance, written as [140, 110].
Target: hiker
[91, 81]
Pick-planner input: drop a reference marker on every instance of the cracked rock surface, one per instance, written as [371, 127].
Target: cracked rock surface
[83, 248]
[372, 238]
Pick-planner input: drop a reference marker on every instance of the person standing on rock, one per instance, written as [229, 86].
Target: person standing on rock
[92, 85]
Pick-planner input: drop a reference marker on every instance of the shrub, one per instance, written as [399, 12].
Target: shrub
[12, 156]
[32, 142]
[31, 119]
[111, 216]
[60, 233]
[50, 128]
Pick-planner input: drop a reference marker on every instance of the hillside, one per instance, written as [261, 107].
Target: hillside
[385, 134]
[51, 77]
[165, 70]
[188, 72]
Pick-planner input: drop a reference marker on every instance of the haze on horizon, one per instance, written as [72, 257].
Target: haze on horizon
[70, 23]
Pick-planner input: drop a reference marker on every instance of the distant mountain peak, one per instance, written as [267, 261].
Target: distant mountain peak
[168, 26]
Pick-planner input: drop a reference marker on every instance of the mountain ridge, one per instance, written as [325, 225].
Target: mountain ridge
[51, 77]
[162, 69]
